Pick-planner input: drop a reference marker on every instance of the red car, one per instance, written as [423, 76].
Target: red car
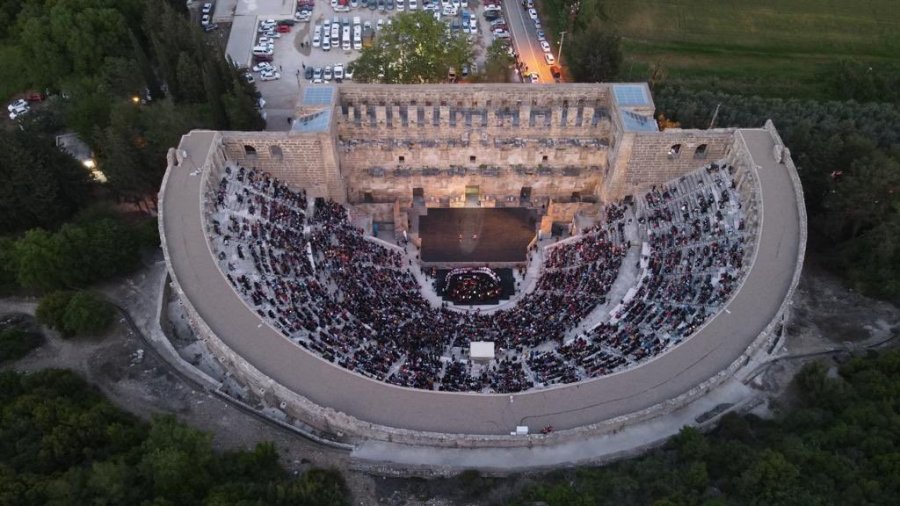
[283, 28]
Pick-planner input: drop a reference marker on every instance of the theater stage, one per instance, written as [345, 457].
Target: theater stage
[476, 235]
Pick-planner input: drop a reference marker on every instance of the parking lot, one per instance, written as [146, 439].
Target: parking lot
[293, 51]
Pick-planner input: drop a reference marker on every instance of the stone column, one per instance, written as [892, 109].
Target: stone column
[587, 116]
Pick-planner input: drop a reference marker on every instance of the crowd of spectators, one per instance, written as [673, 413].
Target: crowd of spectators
[355, 302]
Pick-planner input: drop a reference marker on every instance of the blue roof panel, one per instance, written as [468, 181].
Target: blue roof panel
[318, 95]
[636, 123]
[630, 95]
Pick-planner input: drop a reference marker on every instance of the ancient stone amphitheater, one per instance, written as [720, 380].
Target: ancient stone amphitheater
[661, 260]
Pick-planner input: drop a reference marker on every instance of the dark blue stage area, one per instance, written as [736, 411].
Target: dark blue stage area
[476, 235]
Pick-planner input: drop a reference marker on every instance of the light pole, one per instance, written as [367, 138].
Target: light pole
[562, 38]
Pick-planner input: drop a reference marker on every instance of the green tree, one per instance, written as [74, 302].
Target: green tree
[497, 63]
[87, 315]
[51, 311]
[40, 186]
[594, 53]
[75, 314]
[39, 260]
[414, 49]
[15, 343]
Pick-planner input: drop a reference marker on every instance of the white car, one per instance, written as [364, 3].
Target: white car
[263, 65]
[317, 74]
[17, 104]
[18, 111]
[326, 44]
[493, 7]
[207, 8]
[269, 75]
[545, 46]
[380, 24]
[549, 59]
[317, 40]
[532, 13]
[327, 75]
[473, 25]
[400, 6]
[205, 20]
[339, 71]
[413, 5]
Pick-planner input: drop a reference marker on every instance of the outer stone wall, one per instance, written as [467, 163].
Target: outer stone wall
[302, 160]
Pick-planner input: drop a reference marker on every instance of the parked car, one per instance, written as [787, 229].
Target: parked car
[283, 29]
[249, 77]
[413, 5]
[207, 8]
[263, 65]
[545, 46]
[338, 72]
[308, 73]
[269, 75]
[548, 57]
[317, 73]
[328, 74]
[532, 14]
[18, 111]
[16, 104]
[205, 20]
[555, 72]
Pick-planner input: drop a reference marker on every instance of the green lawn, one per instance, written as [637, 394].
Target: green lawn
[773, 47]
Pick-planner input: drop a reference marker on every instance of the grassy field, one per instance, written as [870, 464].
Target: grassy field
[771, 47]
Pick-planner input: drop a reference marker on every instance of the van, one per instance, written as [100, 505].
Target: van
[262, 51]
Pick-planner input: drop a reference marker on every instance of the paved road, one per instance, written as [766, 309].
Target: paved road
[715, 347]
[524, 36]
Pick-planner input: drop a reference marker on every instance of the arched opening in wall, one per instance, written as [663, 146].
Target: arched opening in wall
[276, 153]
[674, 150]
[700, 152]
[249, 153]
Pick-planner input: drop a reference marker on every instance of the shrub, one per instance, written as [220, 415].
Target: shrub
[75, 314]
[15, 343]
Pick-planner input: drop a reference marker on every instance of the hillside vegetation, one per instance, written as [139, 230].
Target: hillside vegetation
[786, 48]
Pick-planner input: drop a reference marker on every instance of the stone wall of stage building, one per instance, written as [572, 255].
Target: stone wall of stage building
[306, 160]
[499, 138]
[398, 184]
[644, 159]
[449, 111]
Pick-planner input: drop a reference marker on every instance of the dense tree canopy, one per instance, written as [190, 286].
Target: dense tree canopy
[414, 49]
[39, 185]
[61, 443]
[102, 55]
[594, 53]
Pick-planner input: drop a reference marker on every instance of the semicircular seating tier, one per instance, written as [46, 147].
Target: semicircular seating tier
[619, 293]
